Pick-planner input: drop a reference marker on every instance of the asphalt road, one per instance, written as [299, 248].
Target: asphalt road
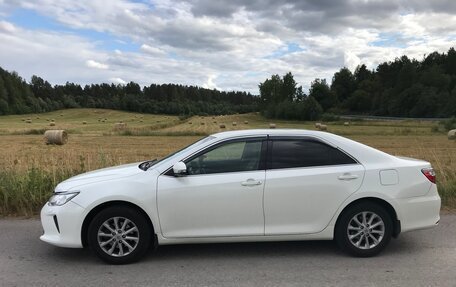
[421, 258]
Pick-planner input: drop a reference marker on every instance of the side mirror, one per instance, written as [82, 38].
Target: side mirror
[180, 169]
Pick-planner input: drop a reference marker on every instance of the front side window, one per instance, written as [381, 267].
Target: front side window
[229, 157]
[293, 153]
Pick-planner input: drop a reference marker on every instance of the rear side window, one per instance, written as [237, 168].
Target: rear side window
[291, 153]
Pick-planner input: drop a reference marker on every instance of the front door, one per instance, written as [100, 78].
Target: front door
[222, 194]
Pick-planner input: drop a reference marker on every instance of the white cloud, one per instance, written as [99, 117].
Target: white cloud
[151, 50]
[96, 65]
[7, 27]
[210, 83]
[117, 81]
[351, 61]
[227, 45]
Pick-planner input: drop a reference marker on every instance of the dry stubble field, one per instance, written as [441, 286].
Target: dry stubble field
[29, 169]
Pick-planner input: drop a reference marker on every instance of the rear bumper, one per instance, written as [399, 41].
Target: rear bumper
[62, 225]
[420, 212]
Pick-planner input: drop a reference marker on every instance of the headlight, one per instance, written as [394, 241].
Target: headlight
[61, 198]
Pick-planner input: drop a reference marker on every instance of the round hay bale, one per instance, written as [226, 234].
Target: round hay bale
[52, 124]
[234, 124]
[52, 120]
[28, 121]
[202, 124]
[452, 135]
[23, 120]
[323, 127]
[58, 137]
[346, 123]
[272, 126]
[246, 122]
[317, 125]
[222, 126]
[84, 122]
[120, 126]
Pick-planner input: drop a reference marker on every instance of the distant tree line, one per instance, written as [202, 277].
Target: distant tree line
[404, 88]
[19, 97]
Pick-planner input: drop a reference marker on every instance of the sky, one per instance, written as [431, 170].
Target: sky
[227, 45]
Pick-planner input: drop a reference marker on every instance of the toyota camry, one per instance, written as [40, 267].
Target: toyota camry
[250, 185]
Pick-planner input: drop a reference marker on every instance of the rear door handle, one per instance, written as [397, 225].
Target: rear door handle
[347, 176]
[251, 182]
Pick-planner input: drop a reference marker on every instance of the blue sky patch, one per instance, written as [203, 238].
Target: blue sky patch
[390, 40]
[29, 19]
[288, 49]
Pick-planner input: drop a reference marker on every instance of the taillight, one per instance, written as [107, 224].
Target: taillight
[429, 173]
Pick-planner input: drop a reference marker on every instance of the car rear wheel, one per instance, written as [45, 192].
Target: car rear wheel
[364, 229]
[119, 235]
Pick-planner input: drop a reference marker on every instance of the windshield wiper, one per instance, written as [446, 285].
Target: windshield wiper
[147, 164]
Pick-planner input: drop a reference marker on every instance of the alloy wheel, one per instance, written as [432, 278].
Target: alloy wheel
[366, 230]
[118, 236]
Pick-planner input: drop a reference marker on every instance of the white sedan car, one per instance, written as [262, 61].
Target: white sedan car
[251, 185]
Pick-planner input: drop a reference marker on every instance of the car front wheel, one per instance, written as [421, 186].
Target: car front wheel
[119, 235]
[364, 229]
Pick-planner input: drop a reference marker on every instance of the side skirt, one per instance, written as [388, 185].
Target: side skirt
[326, 234]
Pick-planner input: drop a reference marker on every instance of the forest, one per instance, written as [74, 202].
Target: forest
[18, 96]
[404, 88]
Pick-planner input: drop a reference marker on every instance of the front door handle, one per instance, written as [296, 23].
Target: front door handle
[251, 182]
[347, 176]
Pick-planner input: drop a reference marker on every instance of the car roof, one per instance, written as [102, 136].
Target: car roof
[363, 153]
[271, 132]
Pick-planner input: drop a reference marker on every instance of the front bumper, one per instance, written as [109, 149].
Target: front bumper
[62, 224]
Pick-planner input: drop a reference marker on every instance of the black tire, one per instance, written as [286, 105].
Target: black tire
[342, 232]
[143, 232]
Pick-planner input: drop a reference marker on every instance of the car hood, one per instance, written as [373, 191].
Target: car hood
[99, 175]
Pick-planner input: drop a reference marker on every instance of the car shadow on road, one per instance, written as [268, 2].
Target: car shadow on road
[289, 249]
[245, 250]
[237, 251]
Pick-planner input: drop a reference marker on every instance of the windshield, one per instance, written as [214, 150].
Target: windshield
[147, 164]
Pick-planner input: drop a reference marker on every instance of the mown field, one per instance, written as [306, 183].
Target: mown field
[29, 169]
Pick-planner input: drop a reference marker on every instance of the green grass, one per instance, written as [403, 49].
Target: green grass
[24, 193]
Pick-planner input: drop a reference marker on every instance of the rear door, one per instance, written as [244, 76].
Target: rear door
[306, 182]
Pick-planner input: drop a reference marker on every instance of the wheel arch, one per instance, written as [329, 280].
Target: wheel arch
[88, 218]
[383, 203]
